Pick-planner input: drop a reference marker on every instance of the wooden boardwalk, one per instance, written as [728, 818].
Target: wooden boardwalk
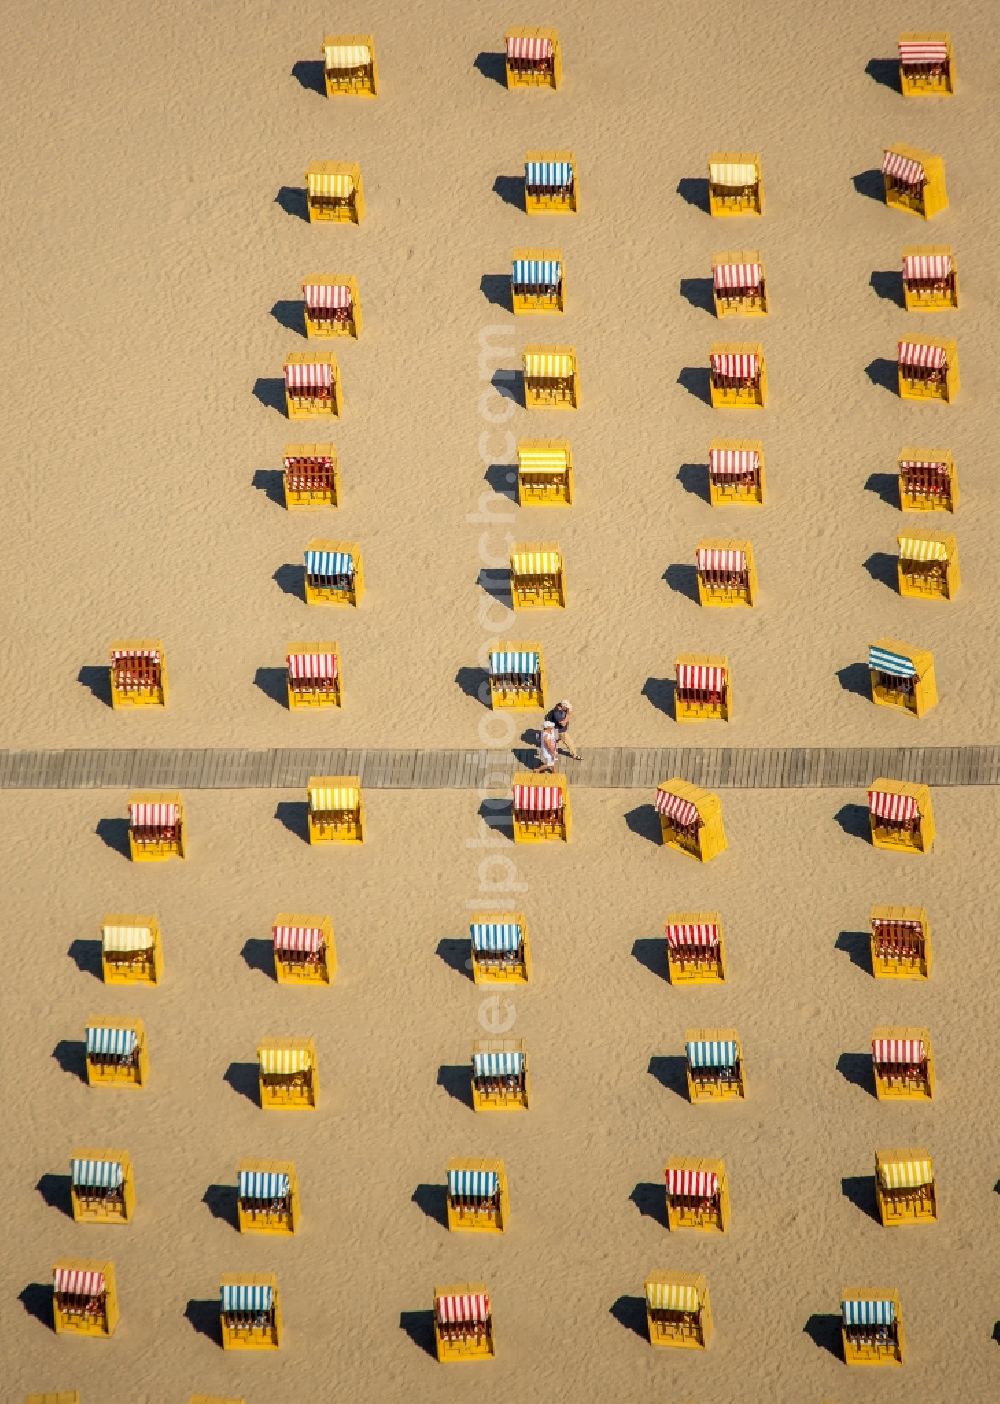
[619, 768]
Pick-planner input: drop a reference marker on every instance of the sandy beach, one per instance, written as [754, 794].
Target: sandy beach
[157, 241]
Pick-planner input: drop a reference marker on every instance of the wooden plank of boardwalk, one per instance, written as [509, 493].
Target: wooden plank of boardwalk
[609, 768]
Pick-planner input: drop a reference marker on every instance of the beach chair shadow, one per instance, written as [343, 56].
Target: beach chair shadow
[309, 75]
[495, 287]
[290, 315]
[455, 952]
[475, 682]
[419, 1326]
[204, 1318]
[497, 813]
[269, 482]
[55, 1192]
[871, 184]
[823, 1329]
[244, 1079]
[700, 293]
[883, 374]
[273, 683]
[492, 66]
[502, 478]
[97, 681]
[884, 71]
[294, 814]
[645, 822]
[859, 1190]
[114, 834]
[884, 486]
[650, 952]
[291, 580]
[630, 1312]
[651, 1201]
[510, 189]
[857, 947]
[86, 956]
[36, 1298]
[670, 1071]
[221, 1203]
[509, 385]
[996, 1333]
[71, 1055]
[856, 1068]
[853, 819]
[693, 478]
[270, 391]
[432, 1200]
[683, 580]
[258, 954]
[695, 380]
[888, 285]
[855, 677]
[694, 191]
[496, 583]
[456, 1079]
[659, 693]
[883, 568]
[292, 199]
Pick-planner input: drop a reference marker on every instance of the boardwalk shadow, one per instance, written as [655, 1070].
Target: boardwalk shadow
[291, 580]
[97, 681]
[292, 199]
[870, 184]
[695, 380]
[645, 822]
[659, 693]
[204, 1318]
[670, 1072]
[683, 580]
[113, 833]
[510, 189]
[270, 391]
[884, 71]
[295, 817]
[456, 954]
[496, 811]
[86, 956]
[883, 568]
[855, 677]
[492, 66]
[432, 1200]
[309, 75]
[888, 285]
[495, 287]
[856, 945]
[630, 1312]
[502, 478]
[700, 293]
[475, 682]
[509, 385]
[884, 374]
[693, 478]
[290, 315]
[71, 1055]
[859, 1190]
[419, 1326]
[244, 1079]
[856, 1068]
[270, 481]
[496, 583]
[853, 819]
[258, 954]
[651, 1201]
[884, 486]
[221, 1202]
[273, 683]
[650, 952]
[823, 1329]
[55, 1192]
[36, 1299]
[456, 1079]
[693, 190]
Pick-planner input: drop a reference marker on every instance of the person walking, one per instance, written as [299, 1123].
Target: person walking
[548, 748]
[560, 717]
